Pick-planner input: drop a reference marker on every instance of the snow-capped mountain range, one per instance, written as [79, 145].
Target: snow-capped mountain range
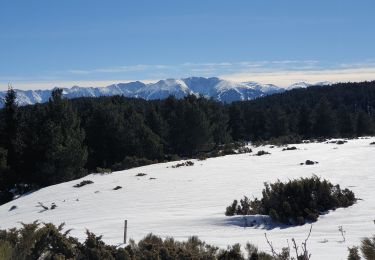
[215, 88]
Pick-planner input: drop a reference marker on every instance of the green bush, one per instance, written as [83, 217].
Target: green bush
[132, 162]
[102, 170]
[83, 183]
[296, 201]
[261, 152]
[368, 248]
[32, 241]
[353, 253]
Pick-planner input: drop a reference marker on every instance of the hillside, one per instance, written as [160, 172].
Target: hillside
[191, 200]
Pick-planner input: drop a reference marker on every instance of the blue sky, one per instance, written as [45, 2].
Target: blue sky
[93, 43]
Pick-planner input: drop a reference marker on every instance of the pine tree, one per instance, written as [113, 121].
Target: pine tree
[12, 137]
[61, 142]
[198, 131]
[325, 121]
[258, 125]
[278, 123]
[364, 124]
[10, 110]
[304, 123]
[237, 122]
[345, 122]
[219, 120]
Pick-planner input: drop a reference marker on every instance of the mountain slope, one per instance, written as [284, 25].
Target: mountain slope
[218, 89]
[186, 201]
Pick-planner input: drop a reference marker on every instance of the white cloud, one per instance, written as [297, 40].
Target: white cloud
[286, 78]
[278, 72]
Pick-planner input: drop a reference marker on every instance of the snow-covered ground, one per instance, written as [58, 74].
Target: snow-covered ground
[191, 200]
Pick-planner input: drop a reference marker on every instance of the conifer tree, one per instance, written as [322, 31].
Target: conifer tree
[10, 110]
[237, 122]
[345, 122]
[304, 123]
[62, 142]
[198, 130]
[324, 124]
[364, 124]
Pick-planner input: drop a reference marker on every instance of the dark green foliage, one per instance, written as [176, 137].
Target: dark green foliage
[231, 253]
[353, 253]
[309, 162]
[62, 140]
[246, 207]
[368, 248]
[187, 163]
[31, 241]
[55, 150]
[290, 148]
[34, 240]
[254, 254]
[261, 152]
[364, 124]
[103, 170]
[324, 123]
[131, 162]
[296, 201]
[83, 183]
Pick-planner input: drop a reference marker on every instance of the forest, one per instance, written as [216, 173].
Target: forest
[63, 139]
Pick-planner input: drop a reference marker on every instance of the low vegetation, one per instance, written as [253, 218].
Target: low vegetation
[296, 201]
[367, 249]
[83, 183]
[261, 152]
[309, 162]
[36, 241]
[290, 148]
[187, 163]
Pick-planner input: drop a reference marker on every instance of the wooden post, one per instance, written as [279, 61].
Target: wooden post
[125, 230]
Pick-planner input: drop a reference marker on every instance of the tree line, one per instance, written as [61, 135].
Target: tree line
[61, 140]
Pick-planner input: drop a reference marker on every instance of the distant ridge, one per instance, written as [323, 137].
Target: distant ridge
[215, 88]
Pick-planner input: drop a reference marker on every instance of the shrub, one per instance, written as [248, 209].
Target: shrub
[296, 201]
[103, 170]
[6, 250]
[368, 248]
[132, 162]
[261, 152]
[187, 163]
[202, 157]
[309, 162]
[227, 151]
[290, 148]
[83, 183]
[244, 150]
[36, 241]
[353, 253]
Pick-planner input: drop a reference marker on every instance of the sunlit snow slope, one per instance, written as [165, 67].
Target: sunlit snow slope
[191, 200]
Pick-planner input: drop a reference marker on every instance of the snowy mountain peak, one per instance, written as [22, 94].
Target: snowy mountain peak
[215, 88]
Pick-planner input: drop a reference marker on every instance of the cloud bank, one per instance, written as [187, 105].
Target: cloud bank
[279, 72]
